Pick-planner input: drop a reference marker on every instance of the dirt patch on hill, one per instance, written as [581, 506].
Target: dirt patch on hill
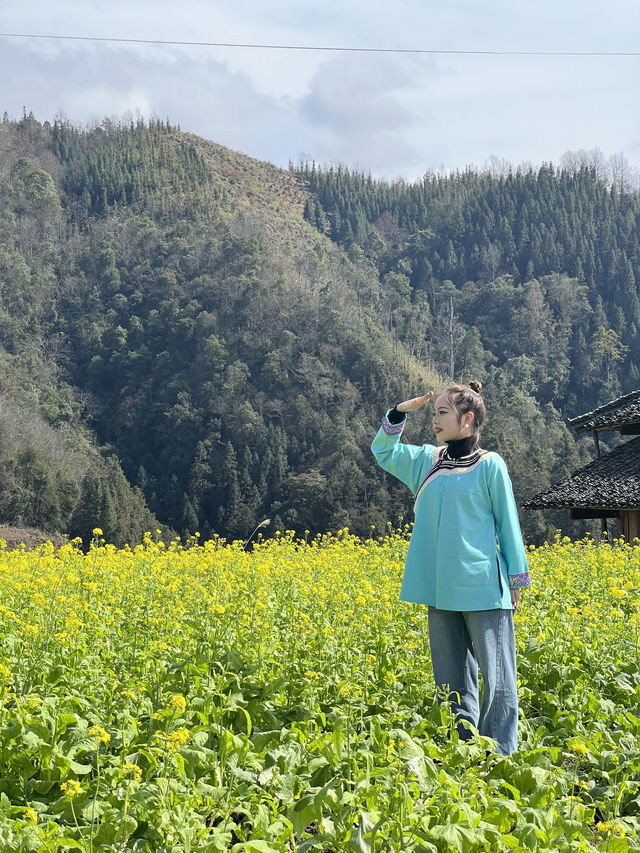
[30, 537]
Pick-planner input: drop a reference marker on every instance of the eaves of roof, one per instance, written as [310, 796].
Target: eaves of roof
[610, 482]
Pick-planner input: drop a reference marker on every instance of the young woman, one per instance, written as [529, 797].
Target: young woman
[466, 559]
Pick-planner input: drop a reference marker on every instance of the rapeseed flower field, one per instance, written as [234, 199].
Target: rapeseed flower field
[203, 698]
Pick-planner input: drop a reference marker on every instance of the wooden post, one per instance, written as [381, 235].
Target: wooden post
[605, 529]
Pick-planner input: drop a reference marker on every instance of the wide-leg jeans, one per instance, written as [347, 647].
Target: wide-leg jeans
[462, 642]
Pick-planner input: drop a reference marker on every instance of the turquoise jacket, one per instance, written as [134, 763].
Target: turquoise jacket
[466, 550]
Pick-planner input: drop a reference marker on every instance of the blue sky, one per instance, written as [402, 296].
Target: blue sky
[396, 115]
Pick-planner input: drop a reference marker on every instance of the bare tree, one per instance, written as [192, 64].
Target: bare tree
[623, 176]
[594, 159]
[491, 257]
[498, 167]
[447, 328]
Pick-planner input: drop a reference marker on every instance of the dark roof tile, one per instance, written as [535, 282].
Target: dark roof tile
[619, 412]
[610, 482]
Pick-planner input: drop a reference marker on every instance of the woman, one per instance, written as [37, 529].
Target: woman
[466, 559]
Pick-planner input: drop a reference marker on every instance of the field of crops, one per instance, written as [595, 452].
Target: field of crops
[208, 699]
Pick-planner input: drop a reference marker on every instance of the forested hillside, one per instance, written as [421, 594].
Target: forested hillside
[536, 271]
[170, 296]
[179, 347]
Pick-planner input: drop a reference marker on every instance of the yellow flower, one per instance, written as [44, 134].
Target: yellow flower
[30, 816]
[177, 739]
[100, 734]
[71, 788]
[97, 531]
[178, 703]
[128, 767]
[32, 702]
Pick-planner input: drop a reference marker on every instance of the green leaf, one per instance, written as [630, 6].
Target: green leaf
[178, 762]
[616, 844]
[5, 805]
[128, 825]
[426, 846]
[244, 711]
[11, 731]
[234, 661]
[200, 738]
[304, 813]
[54, 675]
[461, 838]
[39, 731]
[80, 769]
[357, 841]
[286, 788]
[42, 786]
[262, 739]
[529, 835]
[65, 720]
[94, 809]
[219, 840]
[502, 814]
[311, 844]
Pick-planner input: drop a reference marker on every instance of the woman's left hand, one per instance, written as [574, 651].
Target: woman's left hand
[515, 598]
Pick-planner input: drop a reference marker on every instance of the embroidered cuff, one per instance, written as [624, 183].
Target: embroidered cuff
[392, 429]
[518, 581]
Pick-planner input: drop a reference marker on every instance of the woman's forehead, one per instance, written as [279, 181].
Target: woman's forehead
[442, 401]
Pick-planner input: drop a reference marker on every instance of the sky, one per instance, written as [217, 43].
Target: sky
[395, 115]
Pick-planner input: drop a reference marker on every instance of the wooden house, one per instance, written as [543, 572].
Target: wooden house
[608, 487]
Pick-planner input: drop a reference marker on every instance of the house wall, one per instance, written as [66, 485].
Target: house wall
[630, 524]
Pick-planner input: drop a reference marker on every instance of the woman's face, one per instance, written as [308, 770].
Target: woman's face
[445, 421]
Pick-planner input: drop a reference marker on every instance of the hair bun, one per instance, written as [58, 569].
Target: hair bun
[475, 386]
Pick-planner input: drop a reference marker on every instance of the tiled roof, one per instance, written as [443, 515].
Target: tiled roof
[610, 482]
[620, 412]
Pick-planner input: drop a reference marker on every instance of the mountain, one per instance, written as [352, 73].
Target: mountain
[543, 264]
[175, 302]
[202, 343]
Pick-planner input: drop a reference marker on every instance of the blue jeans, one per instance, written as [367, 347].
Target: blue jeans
[462, 642]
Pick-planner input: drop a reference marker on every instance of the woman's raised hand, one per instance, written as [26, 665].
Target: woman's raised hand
[415, 403]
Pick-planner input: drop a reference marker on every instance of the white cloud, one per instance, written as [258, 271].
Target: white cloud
[203, 97]
[358, 111]
[391, 114]
[357, 95]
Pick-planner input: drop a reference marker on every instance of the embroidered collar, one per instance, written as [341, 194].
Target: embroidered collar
[444, 466]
